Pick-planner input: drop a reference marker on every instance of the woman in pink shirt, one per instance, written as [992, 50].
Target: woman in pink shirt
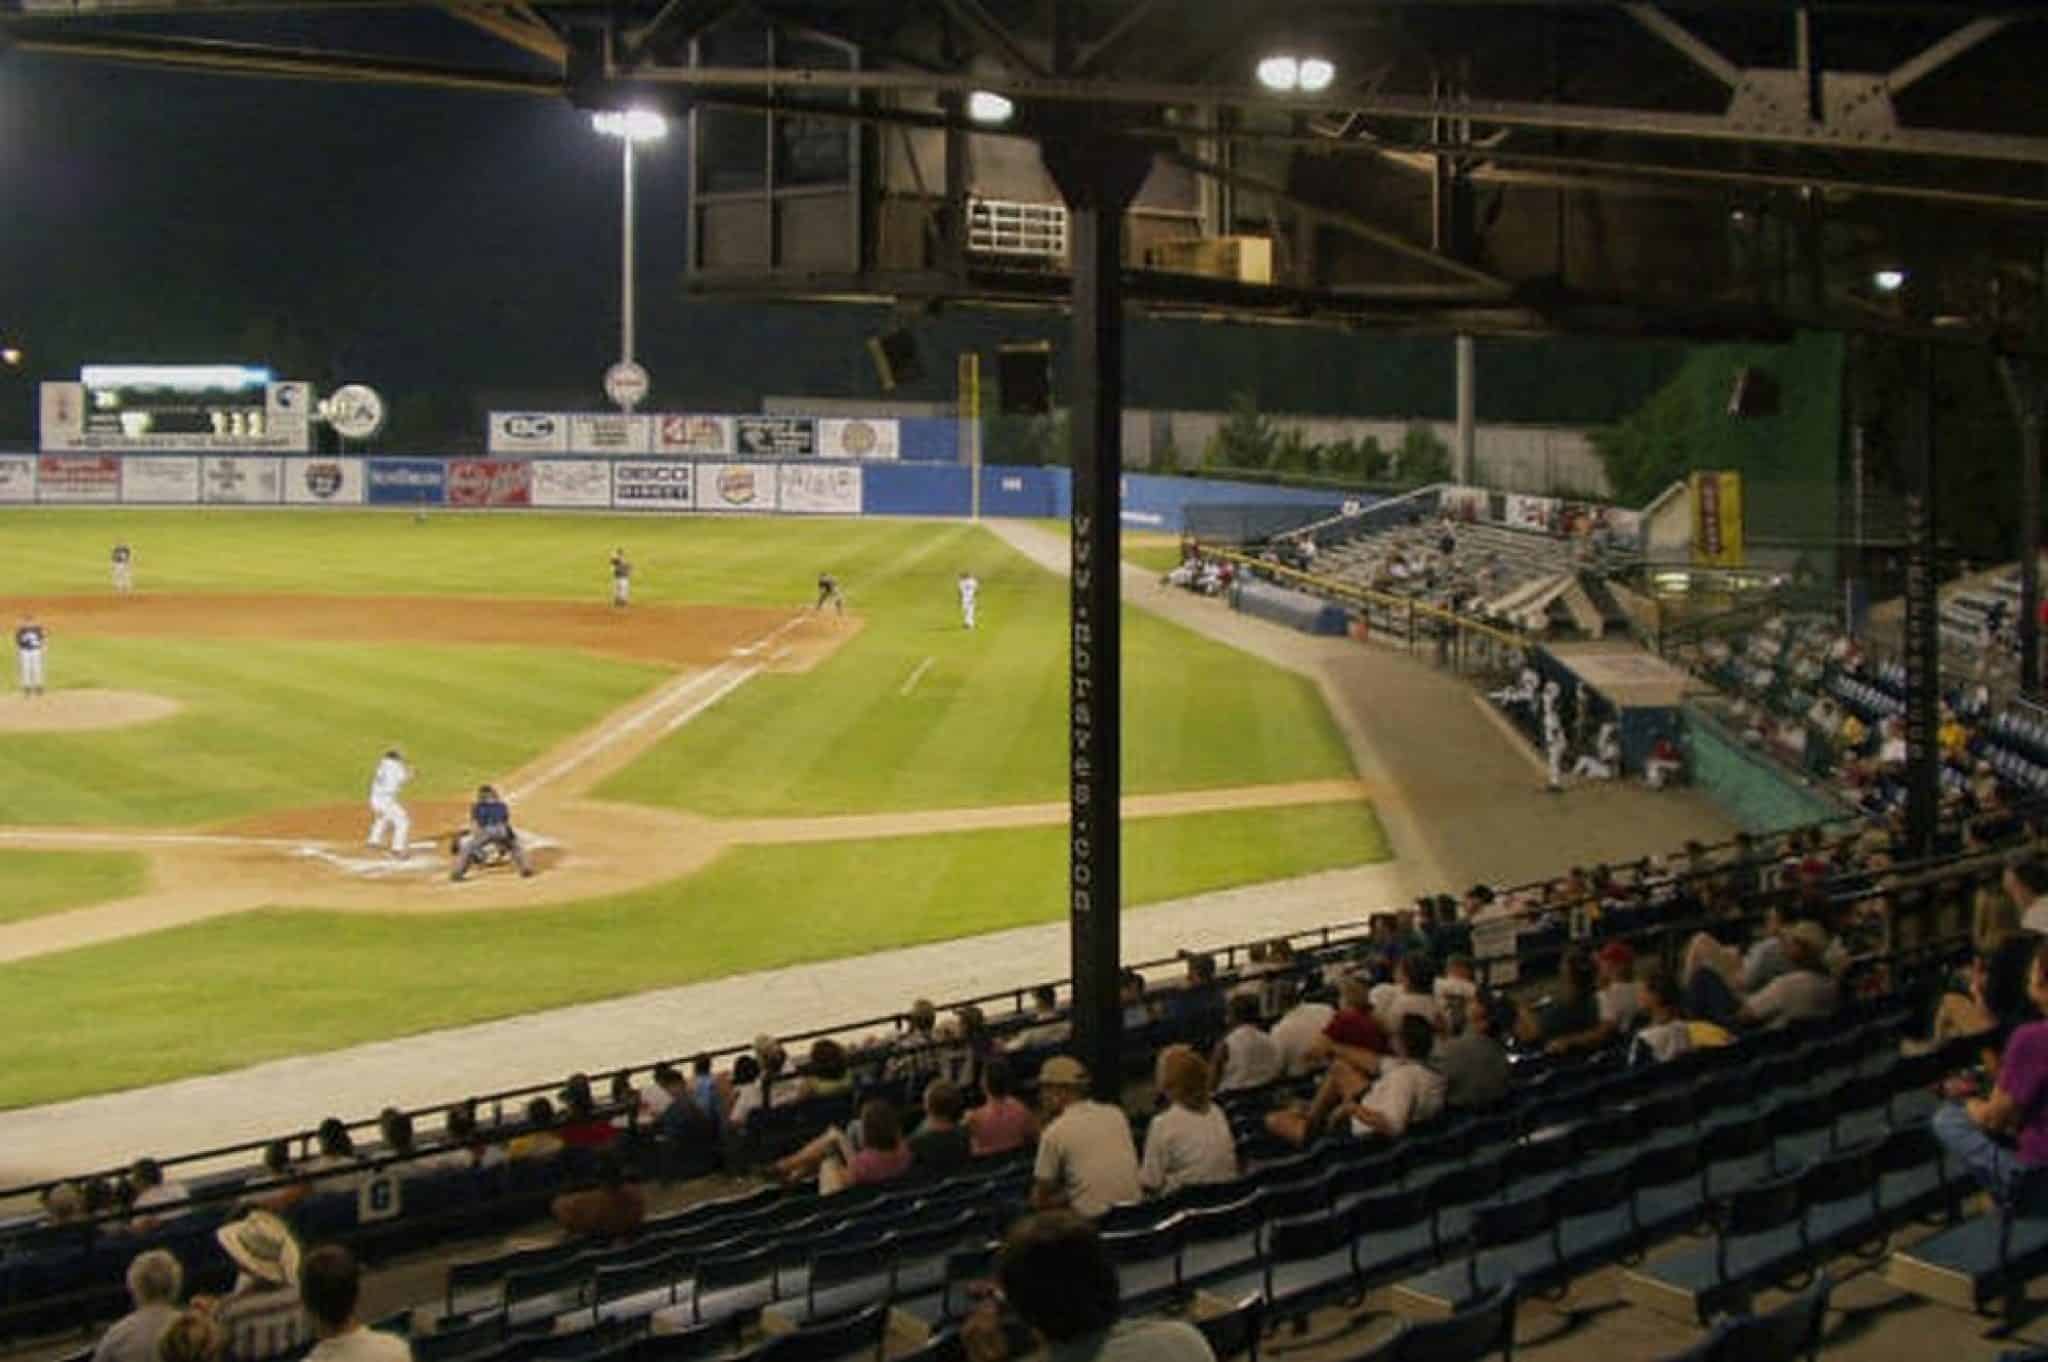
[1001, 1123]
[883, 1152]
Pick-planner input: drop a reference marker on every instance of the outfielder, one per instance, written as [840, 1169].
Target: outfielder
[490, 829]
[389, 778]
[30, 642]
[622, 578]
[124, 569]
[969, 589]
[830, 594]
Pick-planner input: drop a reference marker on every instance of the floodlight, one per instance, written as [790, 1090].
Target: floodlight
[1889, 280]
[986, 106]
[633, 125]
[10, 356]
[1316, 74]
[1279, 72]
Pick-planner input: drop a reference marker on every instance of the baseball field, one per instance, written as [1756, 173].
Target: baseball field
[714, 780]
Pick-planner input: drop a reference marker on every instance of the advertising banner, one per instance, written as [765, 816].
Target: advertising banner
[241, 478]
[610, 433]
[490, 482]
[528, 432]
[654, 484]
[1532, 513]
[323, 482]
[736, 487]
[680, 432]
[288, 416]
[278, 421]
[860, 439]
[827, 489]
[1467, 504]
[78, 477]
[572, 482]
[1717, 519]
[17, 477]
[160, 477]
[405, 482]
[775, 437]
[62, 416]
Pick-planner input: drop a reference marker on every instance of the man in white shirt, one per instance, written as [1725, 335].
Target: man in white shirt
[1300, 1024]
[1049, 1026]
[1405, 1092]
[385, 811]
[1087, 1161]
[2026, 884]
[1246, 1057]
[152, 1190]
[1665, 1034]
[970, 588]
[330, 1285]
[1619, 999]
[1804, 992]
[154, 1280]
[1455, 989]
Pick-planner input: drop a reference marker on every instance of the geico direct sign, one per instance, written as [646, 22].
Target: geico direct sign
[655, 474]
[530, 427]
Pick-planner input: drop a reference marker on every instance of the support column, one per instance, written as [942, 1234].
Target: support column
[1465, 458]
[1099, 175]
[2024, 390]
[1923, 637]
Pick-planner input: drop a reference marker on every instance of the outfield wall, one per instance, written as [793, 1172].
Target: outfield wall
[734, 485]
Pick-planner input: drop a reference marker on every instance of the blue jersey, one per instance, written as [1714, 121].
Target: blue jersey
[490, 813]
[29, 638]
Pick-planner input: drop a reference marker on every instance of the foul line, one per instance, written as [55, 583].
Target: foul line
[196, 839]
[917, 676]
[739, 679]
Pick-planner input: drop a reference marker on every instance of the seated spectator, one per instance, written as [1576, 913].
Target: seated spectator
[870, 1149]
[1049, 1026]
[710, 1094]
[330, 1285]
[1383, 1095]
[1352, 1030]
[539, 1140]
[685, 1123]
[1413, 994]
[459, 1126]
[1664, 1033]
[154, 1280]
[941, 1146]
[1195, 1009]
[63, 1204]
[261, 1316]
[1087, 1161]
[1001, 1123]
[1616, 1001]
[1474, 1062]
[2026, 884]
[1993, 918]
[826, 1074]
[1998, 1136]
[1189, 1142]
[332, 1171]
[1246, 1057]
[1301, 1025]
[613, 1209]
[581, 1126]
[1054, 1273]
[1572, 1012]
[1131, 993]
[1455, 989]
[149, 1189]
[915, 1054]
[753, 1083]
[192, 1336]
[394, 1128]
[1806, 992]
[655, 1097]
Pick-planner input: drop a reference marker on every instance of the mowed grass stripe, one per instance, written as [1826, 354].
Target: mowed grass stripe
[38, 883]
[237, 991]
[282, 725]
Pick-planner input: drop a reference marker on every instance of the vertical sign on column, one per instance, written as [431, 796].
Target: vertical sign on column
[1923, 619]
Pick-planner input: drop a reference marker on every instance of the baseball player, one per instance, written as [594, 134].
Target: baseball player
[829, 593]
[124, 569]
[622, 578]
[30, 642]
[1554, 748]
[969, 589]
[490, 826]
[389, 778]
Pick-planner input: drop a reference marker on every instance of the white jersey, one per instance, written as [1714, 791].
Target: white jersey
[390, 777]
[968, 588]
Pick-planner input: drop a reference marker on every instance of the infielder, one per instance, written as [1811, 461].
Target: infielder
[969, 589]
[1554, 748]
[124, 569]
[30, 642]
[490, 826]
[622, 578]
[389, 778]
[829, 593]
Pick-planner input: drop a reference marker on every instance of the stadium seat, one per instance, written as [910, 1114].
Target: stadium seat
[1759, 1239]
[1787, 1334]
[1989, 1257]
[857, 1335]
[1235, 1332]
[1484, 1329]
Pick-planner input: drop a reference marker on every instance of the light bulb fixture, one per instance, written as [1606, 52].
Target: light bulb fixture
[986, 106]
[1293, 72]
[1889, 280]
[633, 125]
[10, 355]
[1279, 73]
[1316, 74]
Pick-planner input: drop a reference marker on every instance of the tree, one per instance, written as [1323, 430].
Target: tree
[1424, 457]
[1246, 439]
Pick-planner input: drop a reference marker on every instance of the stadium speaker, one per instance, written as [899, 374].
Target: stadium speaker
[1024, 378]
[1754, 394]
[896, 358]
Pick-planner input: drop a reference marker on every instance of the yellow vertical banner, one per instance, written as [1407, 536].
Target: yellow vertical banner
[1717, 519]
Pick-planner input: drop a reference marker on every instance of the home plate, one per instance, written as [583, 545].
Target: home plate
[423, 858]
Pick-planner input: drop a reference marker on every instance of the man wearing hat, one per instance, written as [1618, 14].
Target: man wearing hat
[1805, 991]
[262, 1317]
[1087, 1160]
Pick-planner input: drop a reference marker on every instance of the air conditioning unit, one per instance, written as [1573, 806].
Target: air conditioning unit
[1242, 259]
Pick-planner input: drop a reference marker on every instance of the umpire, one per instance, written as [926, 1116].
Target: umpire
[490, 828]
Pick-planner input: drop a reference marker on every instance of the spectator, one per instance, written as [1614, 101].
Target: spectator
[872, 1149]
[1999, 1136]
[1086, 1159]
[1189, 1142]
[613, 1209]
[331, 1285]
[1615, 1001]
[193, 1336]
[1049, 1026]
[1195, 1009]
[1414, 994]
[1573, 1012]
[394, 1128]
[63, 1204]
[1665, 1033]
[753, 1083]
[972, 1047]
[1352, 1031]
[1001, 1123]
[154, 1280]
[2026, 884]
[151, 1189]
[941, 1147]
[915, 1055]
[1054, 1273]
[336, 1161]
[261, 1317]
[1246, 1057]
[1455, 989]
[1806, 992]
[826, 1073]
[1131, 993]
[540, 1140]
[1301, 1025]
[582, 1127]
[1473, 1062]
[686, 1126]
[1384, 1096]
[655, 1097]
[459, 1124]
[1993, 918]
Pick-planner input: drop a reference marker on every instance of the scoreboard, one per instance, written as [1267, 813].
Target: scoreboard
[117, 408]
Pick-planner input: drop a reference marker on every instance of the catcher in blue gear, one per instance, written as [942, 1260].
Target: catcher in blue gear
[489, 839]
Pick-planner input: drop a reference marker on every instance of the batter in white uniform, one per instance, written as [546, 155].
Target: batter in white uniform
[969, 589]
[30, 641]
[389, 778]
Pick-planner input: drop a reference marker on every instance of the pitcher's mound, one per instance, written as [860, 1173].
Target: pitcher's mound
[71, 711]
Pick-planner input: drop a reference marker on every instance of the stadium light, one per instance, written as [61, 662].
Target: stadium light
[180, 377]
[631, 125]
[10, 356]
[1294, 72]
[986, 106]
[1889, 280]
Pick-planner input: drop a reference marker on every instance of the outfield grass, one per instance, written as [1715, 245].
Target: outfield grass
[287, 725]
[37, 883]
[236, 991]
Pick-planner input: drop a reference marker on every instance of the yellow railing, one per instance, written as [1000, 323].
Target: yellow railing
[1330, 586]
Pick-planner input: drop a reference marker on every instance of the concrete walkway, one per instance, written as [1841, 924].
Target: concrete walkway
[1457, 796]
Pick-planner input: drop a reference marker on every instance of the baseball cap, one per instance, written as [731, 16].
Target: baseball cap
[1063, 1071]
[1617, 953]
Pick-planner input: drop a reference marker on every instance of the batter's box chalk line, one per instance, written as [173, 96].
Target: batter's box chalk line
[425, 858]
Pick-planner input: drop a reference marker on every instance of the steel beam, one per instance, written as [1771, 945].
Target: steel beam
[505, 23]
[1940, 54]
[1094, 54]
[239, 59]
[972, 15]
[1686, 43]
[1922, 614]
[2026, 391]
